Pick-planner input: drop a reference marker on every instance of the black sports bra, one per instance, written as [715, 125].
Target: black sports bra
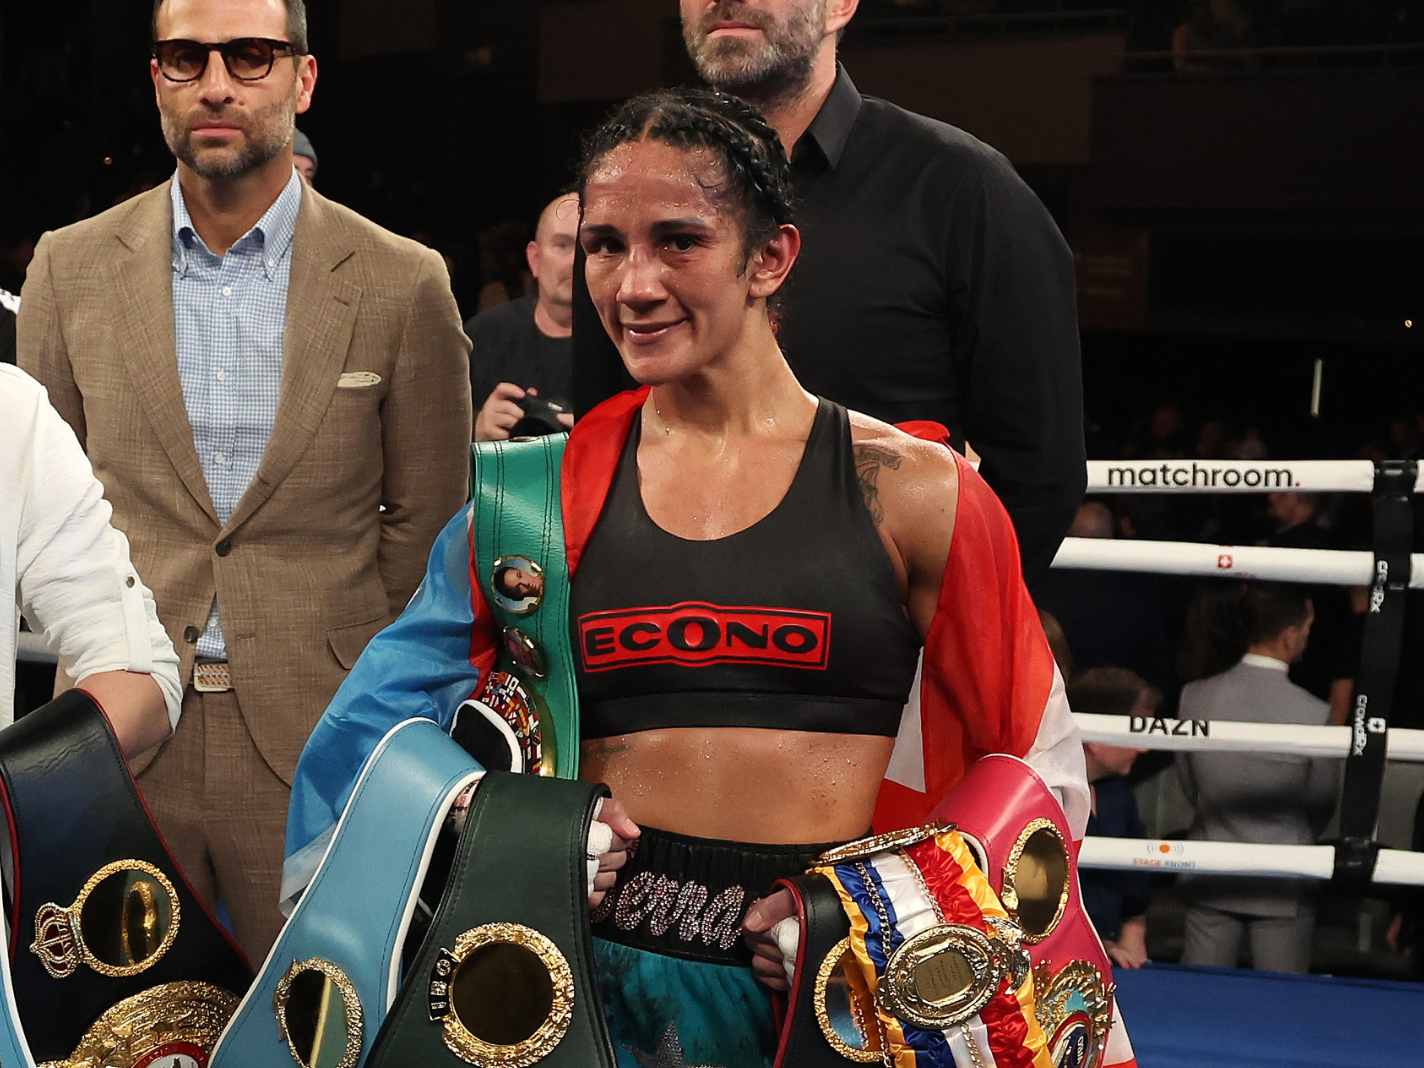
[794, 623]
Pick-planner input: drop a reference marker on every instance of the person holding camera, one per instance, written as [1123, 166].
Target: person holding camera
[522, 350]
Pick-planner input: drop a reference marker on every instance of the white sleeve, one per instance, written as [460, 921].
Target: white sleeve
[76, 583]
[1057, 756]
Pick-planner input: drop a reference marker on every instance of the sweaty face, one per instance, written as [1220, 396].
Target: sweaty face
[221, 127]
[666, 266]
[755, 49]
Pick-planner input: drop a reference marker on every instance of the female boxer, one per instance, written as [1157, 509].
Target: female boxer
[749, 610]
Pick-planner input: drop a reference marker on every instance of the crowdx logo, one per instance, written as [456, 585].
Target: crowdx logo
[1363, 725]
[1381, 581]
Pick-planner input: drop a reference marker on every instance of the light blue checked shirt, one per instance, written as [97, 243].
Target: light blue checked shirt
[229, 315]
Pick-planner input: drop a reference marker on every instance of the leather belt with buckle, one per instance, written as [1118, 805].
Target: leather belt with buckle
[212, 676]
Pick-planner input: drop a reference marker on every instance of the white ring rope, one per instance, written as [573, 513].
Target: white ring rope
[1233, 736]
[1395, 866]
[1234, 476]
[1336, 567]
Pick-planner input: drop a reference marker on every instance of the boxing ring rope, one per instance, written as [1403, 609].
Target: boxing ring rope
[1393, 866]
[1235, 476]
[1233, 736]
[1334, 567]
[1356, 860]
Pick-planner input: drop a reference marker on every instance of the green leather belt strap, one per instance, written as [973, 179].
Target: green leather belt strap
[505, 975]
[518, 513]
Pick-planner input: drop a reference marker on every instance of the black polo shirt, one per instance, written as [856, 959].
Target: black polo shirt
[932, 284]
[508, 346]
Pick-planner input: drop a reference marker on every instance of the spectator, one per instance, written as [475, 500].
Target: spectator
[1116, 900]
[1211, 26]
[1057, 643]
[1328, 666]
[64, 564]
[1109, 617]
[1165, 435]
[1405, 934]
[1257, 797]
[932, 283]
[304, 156]
[275, 391]
[523, 346]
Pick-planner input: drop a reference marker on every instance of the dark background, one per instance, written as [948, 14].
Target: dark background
[1233, 225]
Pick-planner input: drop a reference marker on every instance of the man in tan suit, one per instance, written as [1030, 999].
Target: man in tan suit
[274, 392]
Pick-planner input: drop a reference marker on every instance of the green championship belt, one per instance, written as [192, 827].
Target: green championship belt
[527, 707]
[505, 973]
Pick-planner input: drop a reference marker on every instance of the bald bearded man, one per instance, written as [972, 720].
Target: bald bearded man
[523, 346]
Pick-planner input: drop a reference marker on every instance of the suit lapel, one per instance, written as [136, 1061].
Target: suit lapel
[143, 328]
[321, 313]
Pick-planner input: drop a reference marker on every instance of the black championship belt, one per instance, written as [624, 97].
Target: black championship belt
[818, 1030]
[115, 960]
[505, 976]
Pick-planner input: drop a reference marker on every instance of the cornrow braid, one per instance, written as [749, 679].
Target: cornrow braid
[757, 176]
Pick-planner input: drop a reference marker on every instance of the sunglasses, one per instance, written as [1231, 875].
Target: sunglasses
[248, 59]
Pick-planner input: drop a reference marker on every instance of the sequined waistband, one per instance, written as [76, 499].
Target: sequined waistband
[686, 897]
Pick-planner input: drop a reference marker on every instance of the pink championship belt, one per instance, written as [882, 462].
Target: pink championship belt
[967, 944]
[1017, 827]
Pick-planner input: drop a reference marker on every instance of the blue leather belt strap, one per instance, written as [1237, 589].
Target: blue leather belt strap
[12, 1042]
[516, 487]
[357, 911]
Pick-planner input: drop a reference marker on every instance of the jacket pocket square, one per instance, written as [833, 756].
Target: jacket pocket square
[357, 379]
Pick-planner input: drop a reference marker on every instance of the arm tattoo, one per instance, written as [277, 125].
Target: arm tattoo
[869, 459]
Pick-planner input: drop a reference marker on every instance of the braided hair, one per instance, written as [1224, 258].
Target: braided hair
[756, 174]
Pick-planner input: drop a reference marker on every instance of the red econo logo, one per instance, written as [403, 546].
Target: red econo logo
[696, 634]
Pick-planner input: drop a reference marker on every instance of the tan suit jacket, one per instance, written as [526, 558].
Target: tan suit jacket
[366, 462]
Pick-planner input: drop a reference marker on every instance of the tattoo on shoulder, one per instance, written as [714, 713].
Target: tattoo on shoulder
[869, 460]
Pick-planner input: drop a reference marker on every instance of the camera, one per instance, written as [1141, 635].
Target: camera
[541, 416]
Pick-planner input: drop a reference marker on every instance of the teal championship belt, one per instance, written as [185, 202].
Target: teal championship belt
[12, 1041]
[505, 975]
[335, 969]
[525, 717]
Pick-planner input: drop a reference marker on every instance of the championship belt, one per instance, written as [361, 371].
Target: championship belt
[933, 971]
[819, 1030]
[525, 717]
[1023, 841]
[505, 975]
[335, 969]
[117, 964]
